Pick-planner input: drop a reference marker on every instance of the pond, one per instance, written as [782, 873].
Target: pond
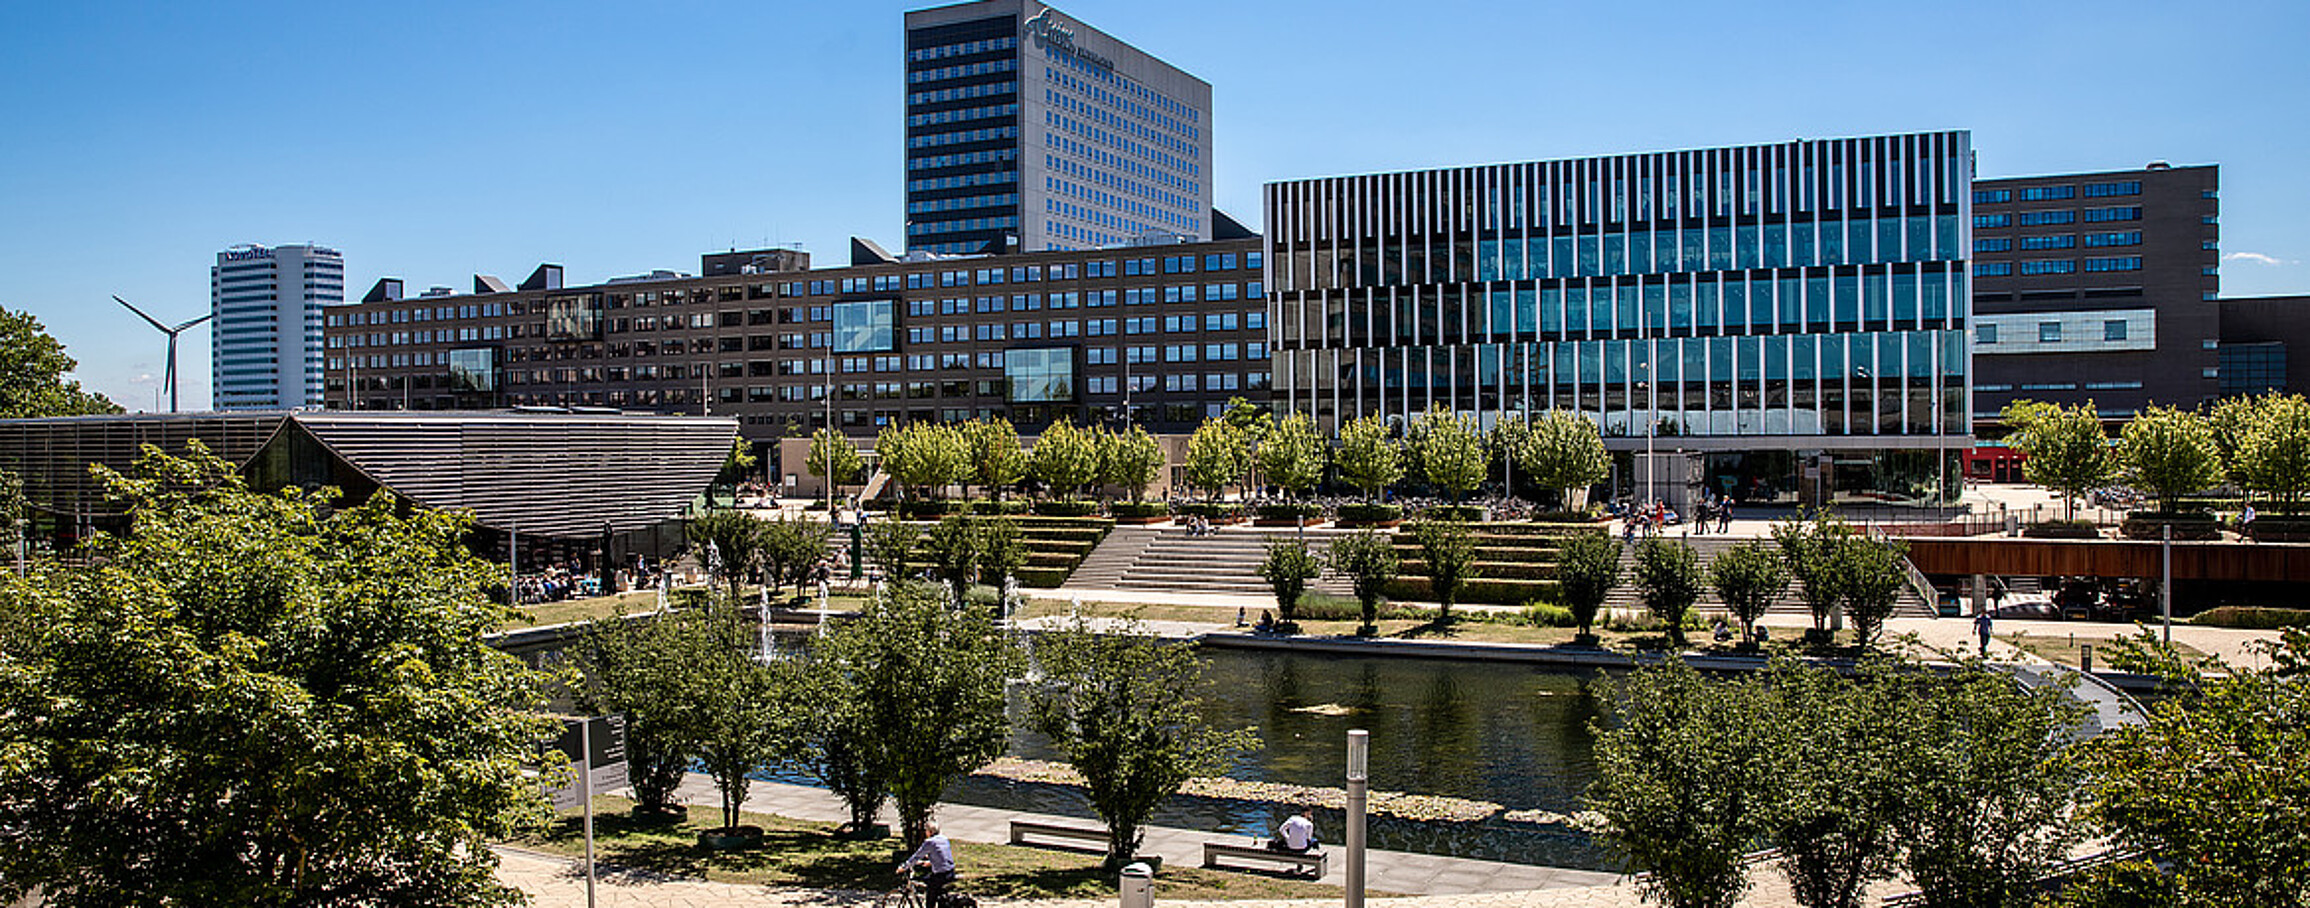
[1511, 734]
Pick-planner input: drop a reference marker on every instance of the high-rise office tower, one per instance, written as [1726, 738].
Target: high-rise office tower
[267, 301]
[1027, 130]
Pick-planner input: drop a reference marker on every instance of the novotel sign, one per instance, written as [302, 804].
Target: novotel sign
[1047, 31]
[243, 255]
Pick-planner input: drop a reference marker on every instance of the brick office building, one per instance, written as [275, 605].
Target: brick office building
[1171, 331]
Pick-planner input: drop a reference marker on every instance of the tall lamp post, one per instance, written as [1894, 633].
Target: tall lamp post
[1358, 787]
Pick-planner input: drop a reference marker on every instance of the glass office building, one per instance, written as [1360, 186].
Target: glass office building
[1784, 321]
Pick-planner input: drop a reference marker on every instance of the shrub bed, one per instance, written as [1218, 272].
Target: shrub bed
[1288, 512]
[2281, 529]
[2151, 525]
[2253, 618]
[925, 509]
[1211, 510]
[1572, 517]
[1461, 512]
[1144, 510]
[1369, 514]
[1043, 578]
[2062, 529]
[1483, 590]
[983, 506]
[1066, 508]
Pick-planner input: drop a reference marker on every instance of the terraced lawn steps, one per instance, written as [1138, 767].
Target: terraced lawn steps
[1515, 563]
[1167, 559]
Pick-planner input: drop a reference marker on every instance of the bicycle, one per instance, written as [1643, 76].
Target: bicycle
[910, 894]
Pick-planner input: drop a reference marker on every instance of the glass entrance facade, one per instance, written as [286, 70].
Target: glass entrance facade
[1803, 293]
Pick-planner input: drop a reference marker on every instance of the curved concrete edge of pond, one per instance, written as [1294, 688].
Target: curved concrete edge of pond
[1581, 657]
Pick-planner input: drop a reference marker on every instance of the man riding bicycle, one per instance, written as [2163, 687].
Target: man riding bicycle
[936, 858]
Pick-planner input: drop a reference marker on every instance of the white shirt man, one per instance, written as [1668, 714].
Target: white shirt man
[1296, 834]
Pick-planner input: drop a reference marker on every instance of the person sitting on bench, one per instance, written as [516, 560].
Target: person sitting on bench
[1297, 833]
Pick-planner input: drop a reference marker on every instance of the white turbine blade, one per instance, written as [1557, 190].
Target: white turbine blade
[140, 313]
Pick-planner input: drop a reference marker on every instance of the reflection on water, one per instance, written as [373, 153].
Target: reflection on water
[1510, 734]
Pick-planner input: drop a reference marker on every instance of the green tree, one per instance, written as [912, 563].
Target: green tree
[1292, 455]
[1868, 576]
[1368, 457]
[832, 458]
[996, 458]
[2274, 456]
[929, 685]
[923, 456]
[1066, 458]
[1668, 575]
[1749, 577]
[1449, 553]
[1678, 785]
[643, 671]
[1368, 560]
[1587, 569]
[255, 699]
[2213, 780]
[792, 549]
[1002, 551]
[1810, 547]
[2170, 453]
[2068, 451]
[1289, 566]
[1450, 451]
[730, 542]
[953, 547]
[33, 367]
[1988, 792]
[1564, 450]
[1130, 460]
[1838, 796]
[1508, 435]
[891, 543]
[833, 740]
[1217, 454]
[732, 705]
[1123, 709]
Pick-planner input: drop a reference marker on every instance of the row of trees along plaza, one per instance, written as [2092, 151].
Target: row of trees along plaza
[2257, 446]
[1559, 452]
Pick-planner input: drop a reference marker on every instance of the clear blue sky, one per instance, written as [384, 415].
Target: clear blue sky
[430, 141]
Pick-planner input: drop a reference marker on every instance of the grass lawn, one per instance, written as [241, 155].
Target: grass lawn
[2066, 648]
[598, 607]
[804, 854]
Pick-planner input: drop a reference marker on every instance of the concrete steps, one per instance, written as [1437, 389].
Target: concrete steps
[1167, 559]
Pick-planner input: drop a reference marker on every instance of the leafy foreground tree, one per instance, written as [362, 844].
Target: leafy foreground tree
[2215, 782]
[1678, 785]
[1288, 568]
[1123, 709]
[792, 547]
[643, 670]
[1130, 461]
[1867, 576]
[734, 714]
[1749, 577]
[832, 458]
[832, 741]
[729, 542]
[996, 460]
[1066, 458]
[891, 543]
[32, 369]
[1218, 453]
[2274, 451]
[1668, 574]
[929, 688]
[1810, 547]
[1368, 560]
[261, 700]
[1292, 454]
[1449, 552]
[1959, 778]
[1587, 570]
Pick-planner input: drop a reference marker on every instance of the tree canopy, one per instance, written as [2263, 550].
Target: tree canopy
[2068, 451]
[996, 459]
[1563, 450]
[832, 457]
[1066, 458]
[33, 366]
[262, 699]
[2170, 453]
[1368, 458]
[1130, 460]
[1450, 451]
[1292, 454]
[1217, 454]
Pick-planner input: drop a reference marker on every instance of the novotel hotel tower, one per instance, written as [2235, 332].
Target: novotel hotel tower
[267, 301]
[1028, 131]
[1778, 322]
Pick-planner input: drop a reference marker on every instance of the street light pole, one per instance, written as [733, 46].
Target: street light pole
[2166, 581]
[1358, 786]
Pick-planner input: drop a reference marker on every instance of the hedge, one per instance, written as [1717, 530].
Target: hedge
[1043, 578]
[1461, 513]
[1067, 508]
[1289, 511]
[2063, 529]
[2253, 618]
[1370, 513]
[921, 509]
[1139, 511]
[983, 506]
[1210, 511]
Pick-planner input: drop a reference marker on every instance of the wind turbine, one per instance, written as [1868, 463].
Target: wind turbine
[168, 378]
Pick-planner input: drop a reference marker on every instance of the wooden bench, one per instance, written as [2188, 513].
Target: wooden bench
[1021, 829]
[1314, 860]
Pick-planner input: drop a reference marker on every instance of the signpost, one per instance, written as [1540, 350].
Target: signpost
[597, 745]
